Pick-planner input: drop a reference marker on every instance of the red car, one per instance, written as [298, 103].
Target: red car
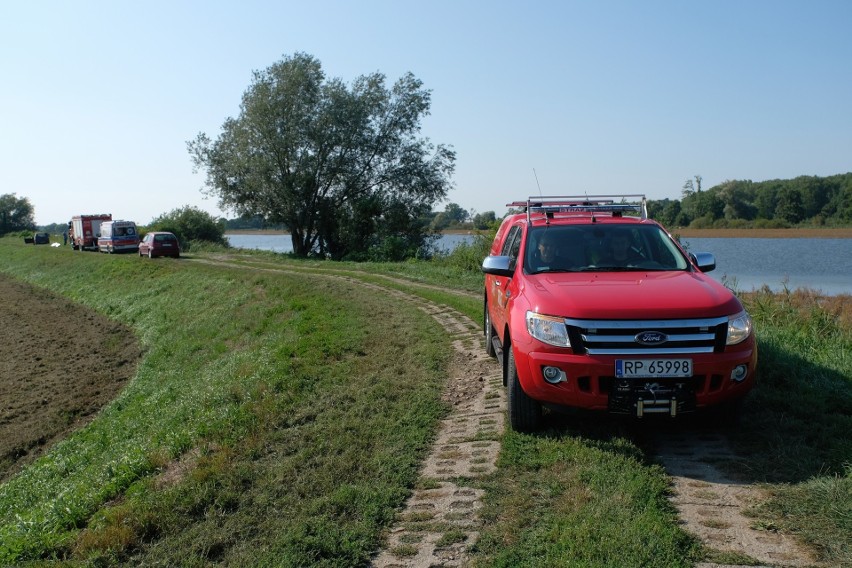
[159, 244]
[590, 304]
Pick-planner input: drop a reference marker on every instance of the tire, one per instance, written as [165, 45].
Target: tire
[489, 332]
[525, 414]
[150, 253]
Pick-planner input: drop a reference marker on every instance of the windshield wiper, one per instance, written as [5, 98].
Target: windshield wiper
[546, 270]
[612, 269]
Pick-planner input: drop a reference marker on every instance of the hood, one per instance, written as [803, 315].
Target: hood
[630, 295]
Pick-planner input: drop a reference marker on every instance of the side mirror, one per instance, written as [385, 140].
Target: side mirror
[499, 266]
[705, 261]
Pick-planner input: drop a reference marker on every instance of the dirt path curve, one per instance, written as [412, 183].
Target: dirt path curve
[439, 522]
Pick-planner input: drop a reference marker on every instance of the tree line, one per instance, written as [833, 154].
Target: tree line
[802, 201]
[811, 201]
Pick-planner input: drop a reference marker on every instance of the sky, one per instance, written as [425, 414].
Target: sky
[99, 98]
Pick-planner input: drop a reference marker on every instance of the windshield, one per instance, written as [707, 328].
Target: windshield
[601, 248]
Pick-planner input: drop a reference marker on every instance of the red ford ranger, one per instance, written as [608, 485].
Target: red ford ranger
[590, 304]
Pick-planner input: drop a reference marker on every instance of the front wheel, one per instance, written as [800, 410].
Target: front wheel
[489, 333]
[525, 414]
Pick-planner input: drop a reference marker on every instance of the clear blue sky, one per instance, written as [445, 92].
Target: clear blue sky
[99, 98]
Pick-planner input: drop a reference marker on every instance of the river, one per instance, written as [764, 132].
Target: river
[742, 263]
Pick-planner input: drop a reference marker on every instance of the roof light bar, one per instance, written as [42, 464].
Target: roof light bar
[549, 204]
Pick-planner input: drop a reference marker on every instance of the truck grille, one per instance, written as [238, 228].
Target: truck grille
[648, 337]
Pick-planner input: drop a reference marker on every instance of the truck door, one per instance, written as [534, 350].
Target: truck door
[499, 291]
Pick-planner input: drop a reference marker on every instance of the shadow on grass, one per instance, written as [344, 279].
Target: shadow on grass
[792, 427]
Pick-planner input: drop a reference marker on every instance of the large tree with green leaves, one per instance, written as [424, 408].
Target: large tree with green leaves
[322, 158]
[16, 214]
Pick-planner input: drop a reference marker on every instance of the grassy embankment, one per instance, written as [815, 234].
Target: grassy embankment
[273, 422]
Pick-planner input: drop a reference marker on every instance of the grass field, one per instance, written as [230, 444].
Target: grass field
[279, 419]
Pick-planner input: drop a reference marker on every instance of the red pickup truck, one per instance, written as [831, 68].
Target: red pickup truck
[590, 304]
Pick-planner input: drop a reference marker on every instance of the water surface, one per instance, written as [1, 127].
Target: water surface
[742, 263]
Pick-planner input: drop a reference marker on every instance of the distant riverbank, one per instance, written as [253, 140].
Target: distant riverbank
[828, 233]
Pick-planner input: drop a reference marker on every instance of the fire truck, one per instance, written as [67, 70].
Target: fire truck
[84, 230]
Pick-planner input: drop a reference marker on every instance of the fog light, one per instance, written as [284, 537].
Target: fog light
[739, 373]
[553, 375]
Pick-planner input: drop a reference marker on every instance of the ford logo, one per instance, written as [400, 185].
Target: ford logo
[651, 338]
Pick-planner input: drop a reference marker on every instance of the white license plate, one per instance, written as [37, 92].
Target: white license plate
[653, 368]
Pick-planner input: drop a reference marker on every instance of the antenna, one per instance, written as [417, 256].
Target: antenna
[536, 182]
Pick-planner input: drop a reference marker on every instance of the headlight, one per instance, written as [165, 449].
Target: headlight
[739, 328]
[548, 329]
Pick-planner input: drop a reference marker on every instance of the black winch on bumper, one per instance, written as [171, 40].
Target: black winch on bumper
[658, 396]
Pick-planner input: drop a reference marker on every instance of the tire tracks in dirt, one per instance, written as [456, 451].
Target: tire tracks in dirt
[711, 502]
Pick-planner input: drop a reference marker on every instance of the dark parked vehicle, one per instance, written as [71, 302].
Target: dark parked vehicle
[159, 244]
[42, 238]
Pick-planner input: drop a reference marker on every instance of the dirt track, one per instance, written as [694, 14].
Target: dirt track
[59, 364]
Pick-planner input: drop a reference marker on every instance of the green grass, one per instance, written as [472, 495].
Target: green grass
[566, 499]
[304, 421]
[272, 422]
[796, 426]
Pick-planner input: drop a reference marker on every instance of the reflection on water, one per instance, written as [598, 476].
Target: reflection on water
[746, 264]
[821, 264]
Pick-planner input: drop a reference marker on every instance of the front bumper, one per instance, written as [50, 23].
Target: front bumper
[589, 382]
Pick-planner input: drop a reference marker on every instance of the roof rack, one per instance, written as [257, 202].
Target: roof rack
[551, 204]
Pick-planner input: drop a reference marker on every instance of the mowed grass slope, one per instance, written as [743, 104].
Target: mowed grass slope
[289, 414]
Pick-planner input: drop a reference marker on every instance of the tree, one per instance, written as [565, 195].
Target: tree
[484, 220]
[317, 156]
[766, 199]
[16, 214]
[735, 196]
[666, 211]
[452, 216]
[690, 188]
[790, 206]
[191, 224]
[456, 214]
[697, 204]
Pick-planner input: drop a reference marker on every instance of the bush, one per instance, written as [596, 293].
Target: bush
[467, 256]
[771, 224]
[191, 224]
[705, 222]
